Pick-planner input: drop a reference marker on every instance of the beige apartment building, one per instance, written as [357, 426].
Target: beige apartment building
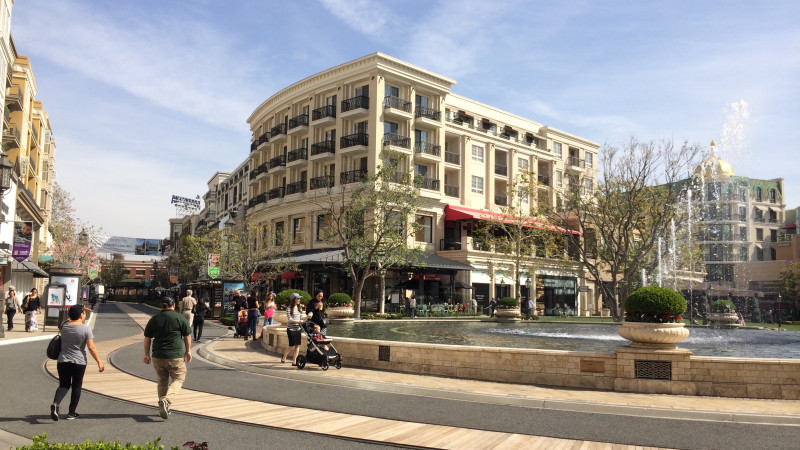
[332, 127]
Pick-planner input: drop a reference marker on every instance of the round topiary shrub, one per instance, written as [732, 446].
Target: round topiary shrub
[654, 304]
[723, 306]
[507, 302]
[339, 299]
[282, 297]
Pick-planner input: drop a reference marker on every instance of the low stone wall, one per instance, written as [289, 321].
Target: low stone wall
[627, 370]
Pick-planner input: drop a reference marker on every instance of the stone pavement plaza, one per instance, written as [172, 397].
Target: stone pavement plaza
[251, 357]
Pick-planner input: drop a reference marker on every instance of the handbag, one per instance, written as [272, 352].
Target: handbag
[54, 347]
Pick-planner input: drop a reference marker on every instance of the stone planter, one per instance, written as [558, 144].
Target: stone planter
[653, 335]
[506, 314]
[726, 319]
[280, 317]
[340, 313]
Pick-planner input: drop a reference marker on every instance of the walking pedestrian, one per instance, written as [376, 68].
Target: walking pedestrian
[76, 338]
[412, 306]
[492, 306]
[530, 309]
[11, 306]
[199, 319]
[315, 310]
[238, 302]
[269, 311]
[164, 333]
[295, 317]
[187, 306]
[252, 315]
[33, 307]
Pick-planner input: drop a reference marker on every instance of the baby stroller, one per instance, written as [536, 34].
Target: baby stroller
[241, 323]
[321, 352]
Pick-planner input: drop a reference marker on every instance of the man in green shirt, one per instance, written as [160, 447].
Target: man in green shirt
[170, 336]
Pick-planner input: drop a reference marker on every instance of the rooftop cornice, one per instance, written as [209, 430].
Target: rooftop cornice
[551, 132]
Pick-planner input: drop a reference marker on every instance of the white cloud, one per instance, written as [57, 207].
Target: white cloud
[371, 18]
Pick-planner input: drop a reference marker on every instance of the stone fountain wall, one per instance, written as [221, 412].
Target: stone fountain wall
[688, 374]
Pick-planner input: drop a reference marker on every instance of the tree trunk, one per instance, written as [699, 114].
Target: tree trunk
[381, 300]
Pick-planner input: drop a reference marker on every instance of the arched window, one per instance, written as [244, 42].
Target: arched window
[772, 196]
[758, 194]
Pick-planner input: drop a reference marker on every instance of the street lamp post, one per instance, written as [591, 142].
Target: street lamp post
[780, 305]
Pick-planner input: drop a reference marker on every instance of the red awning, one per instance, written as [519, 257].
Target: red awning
[791, 226]
[291, 275]
[463, 213]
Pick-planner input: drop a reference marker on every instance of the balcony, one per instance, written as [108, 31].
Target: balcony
[451, 191]
[258, 200]
[322, 150]
[325, 114]
[298, 187]
[399, 177]
[501, 169]
[9, 74]
[353, 143]
[11, 138]
[574, 161]
[355, 106]
[427, 183]
[397, 142]
[352, 176]
[277, 163]
[428, 149]
[275, 193]
[396, 106]
[297, 157]
[760, 220]
[428, 114]
[263, 139]
[277, 133]
[501, 200]
[298, 124]
[253, 146]
[449, 244]
[325, 181]
[14, 98]
[452, 157]
[543, 180]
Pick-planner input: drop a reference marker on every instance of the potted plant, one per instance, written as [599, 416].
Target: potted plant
[653, 318]
[723, 313]
[340, 307]
[507, 309]
[282, 301]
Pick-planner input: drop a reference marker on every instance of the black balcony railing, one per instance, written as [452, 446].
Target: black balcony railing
[296, 187]
[393, 102]
[352, 176]
[544, 180]
[278, 161]
[323, 147]
[452, 157]
[297, 154]
[352, 140]
[451, 191]
[360, 102]
[449, 244]
[277, 130]
[298, 121]
[501, 169]
[427, 148]
[324, 181]
[264, 138]
[574, 161]
[399, 177]
[428, 113]
[501, 200]
[253, 146]
[396, 140]
[427, 183]
[323, 112]
[276, 193]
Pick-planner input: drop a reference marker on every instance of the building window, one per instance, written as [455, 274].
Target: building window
[742, 195]
[759, 234]
[759, 254]
[522, 163]
[772, 196]
[742, 233]
[559, 179]
[279, 233]
[139, 273]
[773, 236]
[758, 194]
[557, 149]
[323, 227]
[742, 253]
[425, 231]
[588, 186]
[742, 213]
[477, 185]
[477, 153]
[589, 160]
[298, 230]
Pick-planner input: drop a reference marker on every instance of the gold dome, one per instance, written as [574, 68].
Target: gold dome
[714, 166]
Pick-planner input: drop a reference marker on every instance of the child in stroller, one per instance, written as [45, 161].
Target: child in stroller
[241, 323]
[320, 349]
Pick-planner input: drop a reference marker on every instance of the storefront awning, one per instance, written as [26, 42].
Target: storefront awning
[28, 266]
[426, 260]
[463, 213]
[791, 226]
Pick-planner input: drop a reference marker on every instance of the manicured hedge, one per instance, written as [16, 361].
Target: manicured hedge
[339, 298]
[723, 306]
[508, 302]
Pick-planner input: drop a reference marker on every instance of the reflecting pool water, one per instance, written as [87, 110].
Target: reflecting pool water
[594, 338]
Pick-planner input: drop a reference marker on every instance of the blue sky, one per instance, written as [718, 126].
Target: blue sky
[148, 99]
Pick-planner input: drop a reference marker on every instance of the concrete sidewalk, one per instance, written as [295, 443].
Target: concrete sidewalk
[249, 356]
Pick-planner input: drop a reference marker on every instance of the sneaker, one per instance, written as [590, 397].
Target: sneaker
[163, 409]
[54, 412]
[72, 416]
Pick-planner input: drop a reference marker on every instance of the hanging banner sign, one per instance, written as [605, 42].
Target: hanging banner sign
[23, 237]
[173, 275]
[213, 265]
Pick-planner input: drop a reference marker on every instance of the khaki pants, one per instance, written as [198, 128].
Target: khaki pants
[166, 368]
[189, 316]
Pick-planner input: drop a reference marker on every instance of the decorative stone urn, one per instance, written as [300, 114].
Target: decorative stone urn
[340, 313]
[507, 314]
[725, 319]
[280, 316]
[653, 335]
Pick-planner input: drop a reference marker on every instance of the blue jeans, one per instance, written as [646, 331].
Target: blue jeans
[267, 321]
[252, 322]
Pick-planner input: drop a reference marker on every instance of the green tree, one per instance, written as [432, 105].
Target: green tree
[636, 201]
[373, 218]
[248, 252]
[790, 285]
[112, 270]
